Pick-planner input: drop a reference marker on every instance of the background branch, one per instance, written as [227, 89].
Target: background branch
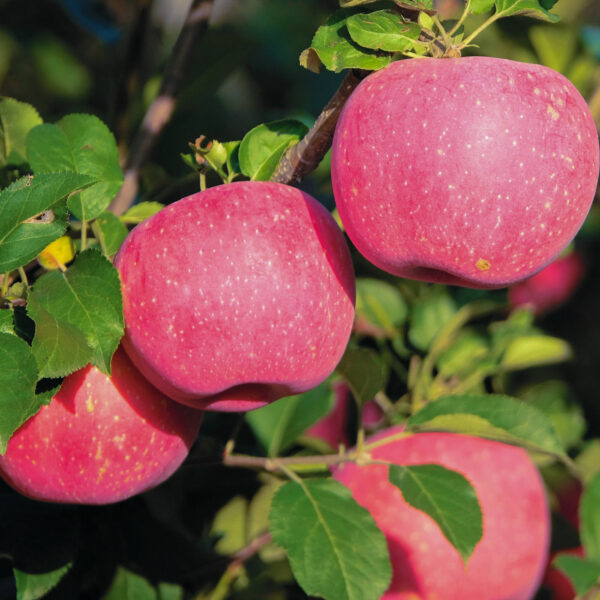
[304, 157]
[161, 109]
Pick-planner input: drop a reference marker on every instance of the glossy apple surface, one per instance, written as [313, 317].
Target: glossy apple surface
[472, 171]
[237, 296]
[551, 287]
[100, 440]
[332, 429]
[509, 561]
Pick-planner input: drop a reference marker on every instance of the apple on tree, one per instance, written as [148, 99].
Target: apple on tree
[100, 440]
[470, 171]
[511, 557]
[237, 296]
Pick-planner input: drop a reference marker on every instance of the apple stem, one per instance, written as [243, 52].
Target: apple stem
[447, 39]
[202, 181]
[304, 157]
[295, 462]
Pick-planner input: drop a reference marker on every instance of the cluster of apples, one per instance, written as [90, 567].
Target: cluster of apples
[471, 171]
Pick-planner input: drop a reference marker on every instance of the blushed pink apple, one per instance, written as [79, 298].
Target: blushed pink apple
[551, 287]
[471, 171]
[100, 440]
[509, 561]
[237, 296]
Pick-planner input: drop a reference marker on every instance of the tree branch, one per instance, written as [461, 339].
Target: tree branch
[304, 157]
[161, 110]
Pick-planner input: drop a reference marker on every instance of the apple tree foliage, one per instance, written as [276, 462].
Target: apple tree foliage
[433, 358]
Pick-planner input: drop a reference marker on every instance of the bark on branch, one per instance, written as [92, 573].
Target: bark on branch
[160, 111]
[305, 156]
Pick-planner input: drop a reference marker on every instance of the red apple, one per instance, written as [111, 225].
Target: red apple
[551, 287]
[100, 440]
[471, 171]
[237, 296]
[509, 561]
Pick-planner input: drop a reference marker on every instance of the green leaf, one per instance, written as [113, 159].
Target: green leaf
[379, 305]
[279, 424]
[589, 514]
[6, 321]
[533, 351]
[262, 147]
[140, 212]
[130, 586]
[335, 548]
[337, 50]
[109, 232]
[464, 355]
[32, 586]
[383, 30]
[447, 497]
[490, 416]
[349, 3]
[582, 572]
[230, 525]
[233, 158]
[363, 370]
[18, 376]
[169, 591]
[554, 399]
[527, 8]
[424, 5]
[33, 214]
[16, 120]
[481, 6]
[88, 297]
[428, 316]
[58, 347]
[79, 144]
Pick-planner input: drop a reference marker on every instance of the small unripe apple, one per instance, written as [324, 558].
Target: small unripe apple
[509, 561]
[237, 296]
[100, 440]
[470, 171]
[551, 287]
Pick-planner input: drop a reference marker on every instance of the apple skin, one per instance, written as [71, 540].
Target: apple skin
[551, 287]
[100, 440]
[509, 561]
[237, 296]
[471, 171]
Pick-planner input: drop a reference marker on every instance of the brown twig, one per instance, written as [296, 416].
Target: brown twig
[305, 156]
[161, 110]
